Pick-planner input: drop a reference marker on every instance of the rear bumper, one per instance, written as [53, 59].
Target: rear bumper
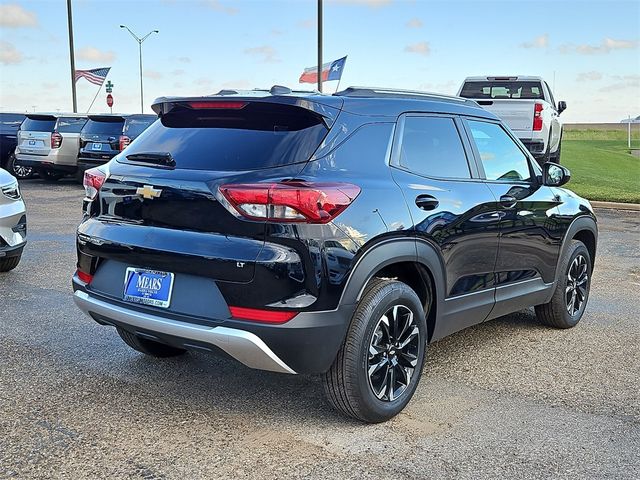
[536, 147]
[306, 344]
[43, 162]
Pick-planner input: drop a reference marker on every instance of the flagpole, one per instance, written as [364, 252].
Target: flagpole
[320, 46]
[72, 58]
[94, 98]
[338, 86]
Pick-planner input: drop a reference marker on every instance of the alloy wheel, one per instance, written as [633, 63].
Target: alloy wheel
[577, 285]
[393, 353]
[21, 172]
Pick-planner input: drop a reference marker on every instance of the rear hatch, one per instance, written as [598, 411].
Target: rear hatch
[160, 200]
[100, 137]
[511, 100]
[34, 137]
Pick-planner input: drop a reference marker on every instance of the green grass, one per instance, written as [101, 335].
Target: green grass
[601, 166]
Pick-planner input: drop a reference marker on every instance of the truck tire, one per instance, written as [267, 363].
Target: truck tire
[18, 171]
[378, 367]
[556, 155]
[569, 300]
[149, 347]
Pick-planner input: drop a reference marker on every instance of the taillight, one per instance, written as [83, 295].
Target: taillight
[304, 202]
[217, 104]
[85, 277]
[537, 117]
[264, 316]
[124, 142]
[56, 140]
[94, 178]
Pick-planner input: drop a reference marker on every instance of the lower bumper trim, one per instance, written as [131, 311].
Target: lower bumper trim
[244, 346]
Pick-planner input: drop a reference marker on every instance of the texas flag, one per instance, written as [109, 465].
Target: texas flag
[330, 71]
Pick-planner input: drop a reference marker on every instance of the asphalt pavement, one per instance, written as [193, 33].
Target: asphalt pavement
[505, 399]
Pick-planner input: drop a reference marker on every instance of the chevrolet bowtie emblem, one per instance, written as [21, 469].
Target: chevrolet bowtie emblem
[148, 192]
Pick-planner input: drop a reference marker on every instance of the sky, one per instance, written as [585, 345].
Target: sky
[588, 51]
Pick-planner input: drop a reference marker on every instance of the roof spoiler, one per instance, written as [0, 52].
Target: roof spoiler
[328, 108]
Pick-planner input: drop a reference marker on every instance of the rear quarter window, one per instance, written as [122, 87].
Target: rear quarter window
[260, 135]
[38, 124]
[10, 121]
[70, 124]
[133, 127]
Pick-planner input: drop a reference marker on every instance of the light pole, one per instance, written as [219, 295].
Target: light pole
[140, 40]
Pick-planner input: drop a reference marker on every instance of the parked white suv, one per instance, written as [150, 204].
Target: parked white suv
[527, 106]
[13, 222]
[49, 143]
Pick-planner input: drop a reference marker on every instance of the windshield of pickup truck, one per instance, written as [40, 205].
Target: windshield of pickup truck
[503, 89]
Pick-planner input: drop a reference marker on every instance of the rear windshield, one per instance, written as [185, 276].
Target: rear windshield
[10, 121]
[70, 124]
[502, 89]
[135, 126]
[260, 135]
[38, 124]
[104, 127]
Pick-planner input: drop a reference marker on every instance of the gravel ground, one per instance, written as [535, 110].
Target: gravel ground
[508, 398]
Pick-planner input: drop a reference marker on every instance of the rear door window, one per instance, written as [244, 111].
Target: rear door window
[38, 124]
[431, 146]
[501, 157]
[70, 124]
[259, 135]
[104, 127]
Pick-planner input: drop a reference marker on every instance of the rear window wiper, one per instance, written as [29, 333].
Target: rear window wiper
[162, 159]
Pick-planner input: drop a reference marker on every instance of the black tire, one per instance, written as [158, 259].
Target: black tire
[557, 312]
[348, 385]
[18, 171]
[149, 347]
[49, 176]
[9, 263]
[555, 158]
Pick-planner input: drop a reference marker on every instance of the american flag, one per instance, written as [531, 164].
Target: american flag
[96, 75]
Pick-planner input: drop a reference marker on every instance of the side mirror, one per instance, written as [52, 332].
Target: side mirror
[554, 175]
[562, 106]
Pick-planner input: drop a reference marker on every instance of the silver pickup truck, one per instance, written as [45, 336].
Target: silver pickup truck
[526, 105]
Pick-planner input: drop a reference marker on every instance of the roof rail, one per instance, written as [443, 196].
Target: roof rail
[393, 92]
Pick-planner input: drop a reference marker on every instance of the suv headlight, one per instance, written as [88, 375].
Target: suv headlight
[11, 191]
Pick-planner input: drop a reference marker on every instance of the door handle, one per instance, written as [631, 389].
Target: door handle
[427, 202]
[508, 201]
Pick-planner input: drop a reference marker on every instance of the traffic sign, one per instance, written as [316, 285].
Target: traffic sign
[109, 86]
[110, 100]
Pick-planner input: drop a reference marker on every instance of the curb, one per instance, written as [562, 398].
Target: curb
[634, 207]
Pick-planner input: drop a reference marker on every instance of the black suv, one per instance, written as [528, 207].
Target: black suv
[104, 136]
[9, 126]
[328, 234]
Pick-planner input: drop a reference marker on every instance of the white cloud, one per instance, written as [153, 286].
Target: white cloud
[541, 41]
[13, 15]
[421, 48]
[220, 7]
[414, 23]
[152, 74]
[9, 55]
[265, 52]
[589, 76]
[177, 72]
[184, 59]
[92, 54]
[607, 45]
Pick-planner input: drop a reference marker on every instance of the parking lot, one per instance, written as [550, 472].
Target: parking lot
[508, 398]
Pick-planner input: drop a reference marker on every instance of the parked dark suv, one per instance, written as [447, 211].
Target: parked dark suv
[9, 126]
[104, 136]
[329, 234]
